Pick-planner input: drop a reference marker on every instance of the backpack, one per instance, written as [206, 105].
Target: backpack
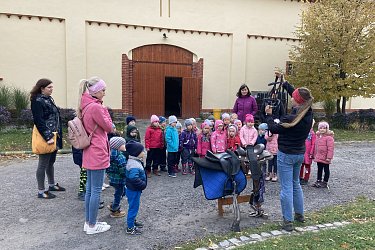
[77, 134]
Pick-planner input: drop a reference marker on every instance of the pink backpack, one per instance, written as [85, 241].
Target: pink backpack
[77, 134]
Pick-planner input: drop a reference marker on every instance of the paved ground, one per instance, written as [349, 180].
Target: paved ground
[172, 211]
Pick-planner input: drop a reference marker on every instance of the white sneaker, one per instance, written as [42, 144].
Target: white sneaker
[105, 185]
[98, 228]
[86, 225]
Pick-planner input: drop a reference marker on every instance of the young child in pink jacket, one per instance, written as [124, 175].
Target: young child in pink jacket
[324, 146]
[204, 140]
[248, 133]
[219, 138]
[305, 171]
[272, 147]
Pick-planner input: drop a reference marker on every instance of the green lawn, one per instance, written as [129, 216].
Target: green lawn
[358, 235]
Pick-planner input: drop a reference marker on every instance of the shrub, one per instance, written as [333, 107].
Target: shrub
[67, 115]
[4, 116]
[5, 96]
[363, 119]
[26, 117]
[20, 99]
[329, 107]
[340, 121]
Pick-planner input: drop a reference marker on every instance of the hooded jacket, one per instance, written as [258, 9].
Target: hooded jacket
[154, 137]
[218, 139]
[310, 147]
[171, 138]
[128, 137]
[204, 143]
[324, 146]
[96, 156]
[248, 135]
[271, 145]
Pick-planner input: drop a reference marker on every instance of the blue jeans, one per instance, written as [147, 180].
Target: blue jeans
[291, 195]
[134, 198]
[94, 185]
[117, 196]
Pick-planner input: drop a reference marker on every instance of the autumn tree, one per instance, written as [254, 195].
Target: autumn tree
[335, 57]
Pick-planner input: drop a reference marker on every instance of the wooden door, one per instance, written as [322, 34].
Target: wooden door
[191, 97]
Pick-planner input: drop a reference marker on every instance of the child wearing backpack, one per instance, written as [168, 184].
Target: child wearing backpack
[116, 174]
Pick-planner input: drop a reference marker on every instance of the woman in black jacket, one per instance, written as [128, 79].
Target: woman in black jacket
[46, 117]
[293, 130]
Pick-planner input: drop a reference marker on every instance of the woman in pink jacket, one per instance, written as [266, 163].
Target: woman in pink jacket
[324, 146]
[97, 121]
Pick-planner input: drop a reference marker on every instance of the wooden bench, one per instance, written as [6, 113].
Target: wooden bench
[229, 200]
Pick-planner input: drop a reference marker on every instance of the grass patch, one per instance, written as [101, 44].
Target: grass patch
[353, 135]
[359, 235]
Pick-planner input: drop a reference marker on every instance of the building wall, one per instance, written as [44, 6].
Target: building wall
[80, 39]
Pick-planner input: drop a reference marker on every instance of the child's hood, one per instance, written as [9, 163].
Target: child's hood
[217, 123]
[129, 129]
[328, 133]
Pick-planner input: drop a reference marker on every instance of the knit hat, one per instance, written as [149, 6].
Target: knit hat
[162, 119]
[323, 125]
[211, 117]
[172, 119]
[249, 118]
[116, 142]
[204, 124]
[134, 148]
[237, 121]
[154, 118]
[188, 122]
[129, 119]
[263, 126]
[193, 120]
[225, 116]
[178, 125]
[233, 126]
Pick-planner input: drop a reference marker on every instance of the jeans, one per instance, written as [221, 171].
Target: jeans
[117, 196]
[45, 166]
[94, 185]
[134, 198]
[291, 195]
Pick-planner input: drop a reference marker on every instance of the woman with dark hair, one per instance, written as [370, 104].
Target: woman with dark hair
[46, 117]
[293, 130]
[245, 103]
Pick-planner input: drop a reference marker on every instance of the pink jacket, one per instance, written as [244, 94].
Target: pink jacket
[324, 146]
[204, 144]
[271, 145]
[96, 156]
[218, 139]
[310, 147]
[248, 135]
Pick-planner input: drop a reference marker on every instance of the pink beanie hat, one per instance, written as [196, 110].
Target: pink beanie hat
[323, 125]
[249, 118]
[154, 118]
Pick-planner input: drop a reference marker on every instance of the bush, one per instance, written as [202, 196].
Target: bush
[363, 119]
[66, 115]
[4, 116]
[20, 100]
[26, 117]
[5, 96]
[329, 107]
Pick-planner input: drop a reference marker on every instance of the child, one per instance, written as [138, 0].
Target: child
[233, 141]
[324, 146]
[130, 120]
[154, 143]
[172, 141]
[261, 139]
[188, 143]
[195, 128]
[219, 138]
[210, 123]
[136, 181]
[305, 171]
[179, 130]
[212, 119]
[272, 147]
[116, 174]
[226, 120]
[204, 140]
[77, 159]
[132, 134]
[233, 118]
[163, 159]
[238, 123]
[248, 134]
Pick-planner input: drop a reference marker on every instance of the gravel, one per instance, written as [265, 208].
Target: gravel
[172, 211]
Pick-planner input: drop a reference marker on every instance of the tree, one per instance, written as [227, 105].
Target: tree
[335, 58]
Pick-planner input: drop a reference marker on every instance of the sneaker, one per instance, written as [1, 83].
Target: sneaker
[163, 169]
[56, 187]
[101, 204]
[138, 224]
[287, 225]
[148, 174]
[98, 228]
[173, 175]
[117, 214]
[268, 177]
[81, 196]
[299, 217]
[274, 178]
[156, 172]
[317, 184]
[133, 231]
[86, 225]
[324, 184]
[106, 185]
[46, 195]
[192, 172]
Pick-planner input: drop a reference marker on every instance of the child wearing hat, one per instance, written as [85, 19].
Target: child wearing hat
[261, 139]
[188, 143]
[172, 141]
[163, 159]
[219, 138]
[226, 120]
[132, 134]
[233, 141]
[131, 121]
[179, 130]
[154, 143]
[204, 140]
[136, 181]
[116, 174]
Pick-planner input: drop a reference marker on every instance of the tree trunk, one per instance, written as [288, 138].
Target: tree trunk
[338, 109]
[343, 106]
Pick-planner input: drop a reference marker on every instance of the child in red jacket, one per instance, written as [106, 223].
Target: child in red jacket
[204, 140]
[233, 141]
[324, 146]
[154, 143]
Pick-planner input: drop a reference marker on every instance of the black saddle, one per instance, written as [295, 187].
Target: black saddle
[229, 162]
[261, 153]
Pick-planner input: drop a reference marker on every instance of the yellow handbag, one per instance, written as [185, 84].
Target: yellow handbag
[39, 145]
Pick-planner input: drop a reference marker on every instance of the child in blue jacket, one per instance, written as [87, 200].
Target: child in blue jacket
[172, 141]
[136, 181]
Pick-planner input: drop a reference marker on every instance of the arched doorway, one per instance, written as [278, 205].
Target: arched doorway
[162, 79]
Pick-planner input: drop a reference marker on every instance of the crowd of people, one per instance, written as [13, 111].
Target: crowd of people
[170, 146]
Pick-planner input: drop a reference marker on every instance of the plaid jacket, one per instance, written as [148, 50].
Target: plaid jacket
[117, 168]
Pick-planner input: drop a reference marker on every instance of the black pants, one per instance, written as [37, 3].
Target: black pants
[321, 167]
[172, 161]
[153, 158]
